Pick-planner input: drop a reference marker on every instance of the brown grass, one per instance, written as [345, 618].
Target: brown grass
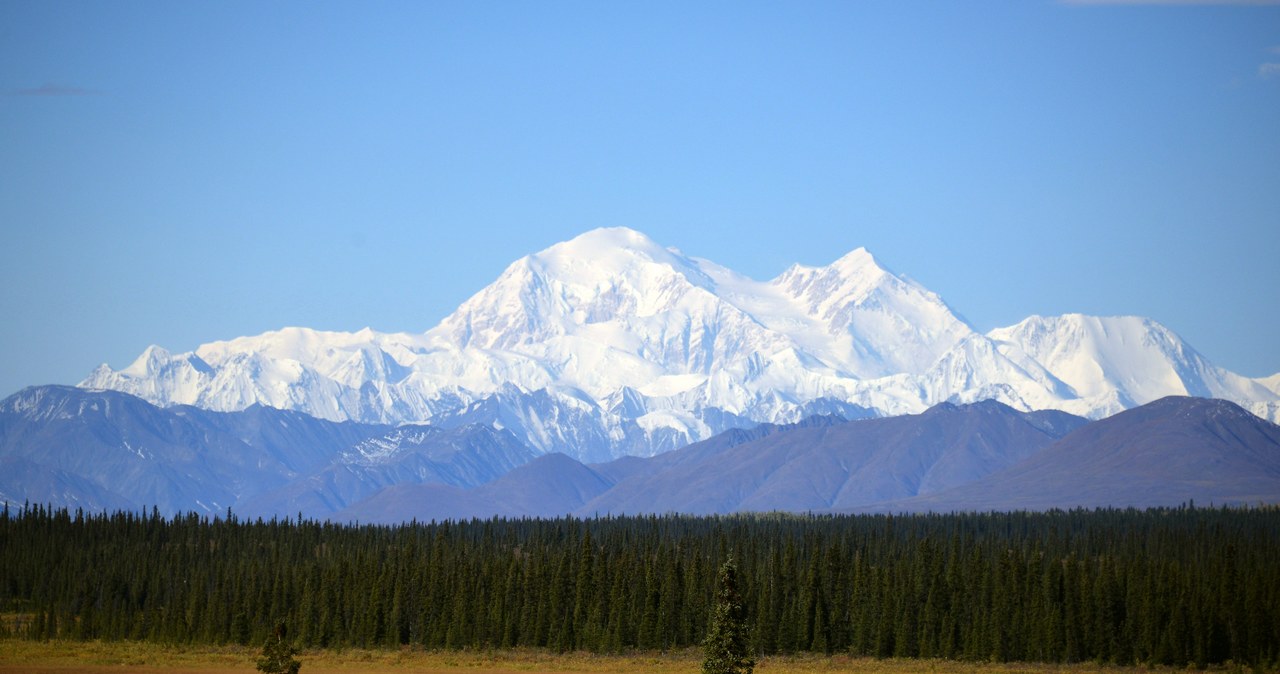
[96, 657]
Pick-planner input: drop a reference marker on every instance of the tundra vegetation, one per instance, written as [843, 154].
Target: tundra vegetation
[1165, 587]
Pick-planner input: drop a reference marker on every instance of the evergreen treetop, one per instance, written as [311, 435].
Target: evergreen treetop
[277, 654]
[726, 647]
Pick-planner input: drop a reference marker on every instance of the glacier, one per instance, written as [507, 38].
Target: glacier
[610, 344]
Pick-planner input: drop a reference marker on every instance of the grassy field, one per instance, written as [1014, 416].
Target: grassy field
[25, 657]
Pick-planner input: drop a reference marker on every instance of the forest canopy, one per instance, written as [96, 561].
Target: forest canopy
[1166, 586]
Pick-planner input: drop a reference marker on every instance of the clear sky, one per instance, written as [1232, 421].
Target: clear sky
[182, 172]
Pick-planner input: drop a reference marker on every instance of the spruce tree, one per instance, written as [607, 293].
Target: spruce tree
[277, 654]
[726, 646]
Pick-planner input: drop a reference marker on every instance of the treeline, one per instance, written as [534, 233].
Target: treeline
[1167, 586]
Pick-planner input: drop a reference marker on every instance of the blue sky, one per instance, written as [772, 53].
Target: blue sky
[177, 173]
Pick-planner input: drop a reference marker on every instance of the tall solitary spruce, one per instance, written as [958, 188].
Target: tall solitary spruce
[725, 650]
[277, 654]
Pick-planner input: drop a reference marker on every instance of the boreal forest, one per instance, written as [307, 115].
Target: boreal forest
[1178, 586]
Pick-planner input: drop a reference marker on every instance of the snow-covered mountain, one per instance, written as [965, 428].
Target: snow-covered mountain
[1118, 363]
[610, 344]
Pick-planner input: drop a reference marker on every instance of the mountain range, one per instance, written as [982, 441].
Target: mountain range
[608, 374]
[105, 450]
[610, 345]
[951, 458]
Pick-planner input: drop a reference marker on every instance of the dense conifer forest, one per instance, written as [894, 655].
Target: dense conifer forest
[1168, 586]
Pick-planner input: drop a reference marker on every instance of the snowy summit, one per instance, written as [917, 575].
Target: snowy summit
[611, 344]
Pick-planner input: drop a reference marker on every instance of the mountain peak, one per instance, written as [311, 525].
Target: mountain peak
[572, 328]
[149, 362]
[1098, 355]
[853, 277]
[612, 237]
[888, 323]
[858, 260]
[612, 276]
[603, 256]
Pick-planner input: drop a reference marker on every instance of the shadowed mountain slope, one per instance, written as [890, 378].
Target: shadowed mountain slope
[551, 485]
[1165, 453]
[105, 450]
[819, 464]
[818, 467]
